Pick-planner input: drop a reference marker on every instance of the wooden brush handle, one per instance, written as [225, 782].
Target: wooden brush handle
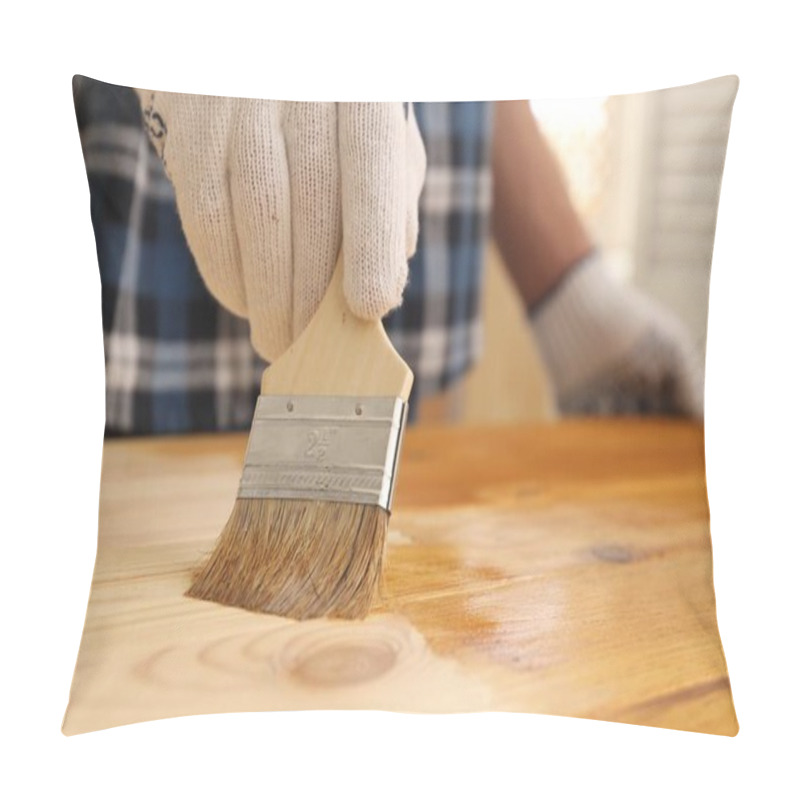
[339, 354]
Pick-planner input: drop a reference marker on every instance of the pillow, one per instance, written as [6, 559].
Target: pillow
[560, 568]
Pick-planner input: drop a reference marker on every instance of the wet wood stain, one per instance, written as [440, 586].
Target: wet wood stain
[559, 569]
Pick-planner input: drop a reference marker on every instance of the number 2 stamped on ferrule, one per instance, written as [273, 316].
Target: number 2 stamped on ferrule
[318, 443]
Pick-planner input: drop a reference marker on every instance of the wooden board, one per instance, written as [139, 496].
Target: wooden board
[556, 568]
[509, 382]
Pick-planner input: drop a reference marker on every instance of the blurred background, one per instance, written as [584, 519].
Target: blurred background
[644, 172]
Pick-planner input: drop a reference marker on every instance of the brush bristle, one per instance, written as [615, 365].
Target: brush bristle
[298, 559]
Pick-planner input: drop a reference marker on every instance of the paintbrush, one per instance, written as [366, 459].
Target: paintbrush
[307, 533]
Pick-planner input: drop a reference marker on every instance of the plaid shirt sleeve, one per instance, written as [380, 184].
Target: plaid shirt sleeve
[176, 361]
[438, 330]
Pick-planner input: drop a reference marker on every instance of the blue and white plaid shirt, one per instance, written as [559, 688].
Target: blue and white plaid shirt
[176, 361]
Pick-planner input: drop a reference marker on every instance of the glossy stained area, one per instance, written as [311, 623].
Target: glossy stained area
[561, 568]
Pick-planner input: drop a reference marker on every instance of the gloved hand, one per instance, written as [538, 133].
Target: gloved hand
[268, 191]
[610, 349]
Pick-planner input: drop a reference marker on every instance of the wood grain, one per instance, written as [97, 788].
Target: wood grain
[556, 568]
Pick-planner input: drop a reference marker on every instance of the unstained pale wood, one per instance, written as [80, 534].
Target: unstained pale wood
[509, 383]
[555, 568]
[339, 354]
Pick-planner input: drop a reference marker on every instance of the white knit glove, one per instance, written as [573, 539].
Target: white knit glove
[610, 349]
[267, 191]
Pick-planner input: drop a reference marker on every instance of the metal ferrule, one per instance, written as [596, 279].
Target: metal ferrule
[338, 449]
